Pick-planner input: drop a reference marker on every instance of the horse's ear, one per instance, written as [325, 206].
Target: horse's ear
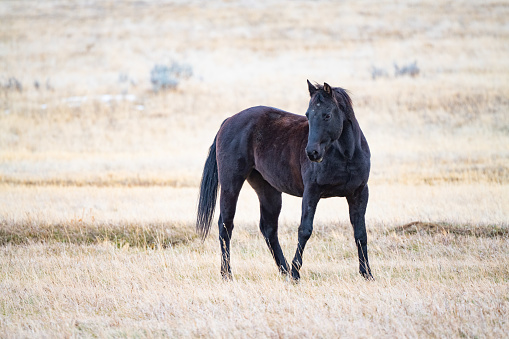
[312, 88]
[327, 88]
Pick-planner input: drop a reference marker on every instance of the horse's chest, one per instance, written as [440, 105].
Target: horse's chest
[342, 179]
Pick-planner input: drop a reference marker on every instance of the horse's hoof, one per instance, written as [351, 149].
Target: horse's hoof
[283, 271]
[295, 275]
[368, 276]
[227, 276]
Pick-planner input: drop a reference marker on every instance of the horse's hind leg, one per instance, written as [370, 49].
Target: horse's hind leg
[270, 207]
[228, 205]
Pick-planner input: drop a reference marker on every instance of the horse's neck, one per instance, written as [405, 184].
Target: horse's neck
[350, 139]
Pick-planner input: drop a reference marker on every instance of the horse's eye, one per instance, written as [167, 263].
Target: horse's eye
[327, 116]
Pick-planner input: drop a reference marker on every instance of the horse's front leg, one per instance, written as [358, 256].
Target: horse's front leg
[309, 202]
[357, 204]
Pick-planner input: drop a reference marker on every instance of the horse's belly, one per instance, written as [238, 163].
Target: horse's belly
[288, 188]
[282, 178]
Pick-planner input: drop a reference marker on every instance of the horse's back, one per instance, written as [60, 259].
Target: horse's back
[260, 125]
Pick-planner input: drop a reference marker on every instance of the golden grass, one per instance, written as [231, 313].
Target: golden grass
[99, 176]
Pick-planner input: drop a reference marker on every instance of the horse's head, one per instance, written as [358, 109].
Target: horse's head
[328, 109]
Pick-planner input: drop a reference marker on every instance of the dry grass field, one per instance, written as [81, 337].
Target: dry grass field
[99, 172]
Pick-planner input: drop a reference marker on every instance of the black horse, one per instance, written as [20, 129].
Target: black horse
[318, 156]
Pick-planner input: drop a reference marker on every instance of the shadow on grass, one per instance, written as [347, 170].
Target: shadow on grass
[163, 235]
[480, 231]
[151, 235]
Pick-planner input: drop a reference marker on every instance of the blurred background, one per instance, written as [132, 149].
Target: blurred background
[130, 94]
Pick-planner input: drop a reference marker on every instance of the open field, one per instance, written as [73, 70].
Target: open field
[99, 173]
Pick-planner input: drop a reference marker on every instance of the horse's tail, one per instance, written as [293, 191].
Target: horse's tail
[208, 193]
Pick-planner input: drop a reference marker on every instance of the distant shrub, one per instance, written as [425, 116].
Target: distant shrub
[410, 69]
[378, 73]
[168, 77]
[12, 84]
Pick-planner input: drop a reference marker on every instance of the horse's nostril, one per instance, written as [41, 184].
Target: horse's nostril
[313, 155]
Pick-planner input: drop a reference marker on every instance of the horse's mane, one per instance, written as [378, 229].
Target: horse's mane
[342, 98]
